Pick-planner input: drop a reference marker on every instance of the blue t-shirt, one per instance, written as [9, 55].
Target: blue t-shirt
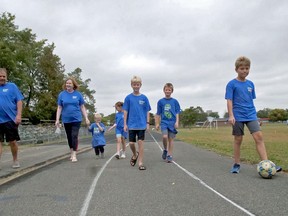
[242, 95]
[167, 109]
[98, 138]
[119, 120]
[71, 103]
[137, 107]
[9, 96]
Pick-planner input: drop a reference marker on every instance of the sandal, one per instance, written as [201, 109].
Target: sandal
[142, 167]
[134, 160]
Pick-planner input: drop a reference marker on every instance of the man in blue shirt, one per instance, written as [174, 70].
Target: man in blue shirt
[10, 115]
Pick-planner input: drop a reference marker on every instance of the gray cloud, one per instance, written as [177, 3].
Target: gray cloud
[192, 44]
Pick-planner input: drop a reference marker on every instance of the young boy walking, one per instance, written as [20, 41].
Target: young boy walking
[167, 117]
[98, 140]
[240, 93]
[136, 120]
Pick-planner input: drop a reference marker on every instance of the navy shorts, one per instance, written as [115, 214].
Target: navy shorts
[139, 133]
[9, 130]
[238, 127]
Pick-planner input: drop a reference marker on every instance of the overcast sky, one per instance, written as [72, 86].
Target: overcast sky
[190, 43]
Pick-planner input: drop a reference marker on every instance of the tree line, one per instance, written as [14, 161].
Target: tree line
[38, 72]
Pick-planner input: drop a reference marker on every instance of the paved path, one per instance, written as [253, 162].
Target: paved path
[198, 182]
[35, 157]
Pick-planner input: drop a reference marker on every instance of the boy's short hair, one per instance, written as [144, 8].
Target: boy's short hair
[242, 61]
[136, 79]
[168, 85]
[119, 104]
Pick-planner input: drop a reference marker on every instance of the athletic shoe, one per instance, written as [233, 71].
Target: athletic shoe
[169, 159]
[235, 168]
[15, 165]
[102, 155]
[164, 154]
[74, 158]
[97, 156]
[117, 156]
[278, 169]
[123, 156]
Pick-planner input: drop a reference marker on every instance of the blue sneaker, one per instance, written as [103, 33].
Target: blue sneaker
[235, 168]
[169, 159]
[278, 169]
[164, 154]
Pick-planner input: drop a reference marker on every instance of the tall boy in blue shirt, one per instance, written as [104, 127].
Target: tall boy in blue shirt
[136, 120]
[240, 93]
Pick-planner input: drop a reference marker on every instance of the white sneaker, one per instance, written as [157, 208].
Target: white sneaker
[16, 165]
[74, 158]
[123, 156]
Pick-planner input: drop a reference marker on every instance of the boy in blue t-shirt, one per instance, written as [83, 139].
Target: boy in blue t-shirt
[240, 93]
[98, 140]
[136, 119]
[167, 116]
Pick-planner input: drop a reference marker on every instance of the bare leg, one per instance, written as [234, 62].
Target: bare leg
[237, 145]
[170, 146]
[165, 140]
[141, 152]
[118, 145]
[14, 150]
[260, 146]
[133, 149]
[123, 144]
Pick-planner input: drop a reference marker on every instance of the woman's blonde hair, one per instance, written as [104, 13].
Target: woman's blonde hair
[75, 84]
[242, 61]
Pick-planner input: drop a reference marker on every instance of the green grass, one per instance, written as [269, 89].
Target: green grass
[221, 141]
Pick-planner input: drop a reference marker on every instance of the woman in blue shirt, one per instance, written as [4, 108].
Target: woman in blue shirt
[71, 108]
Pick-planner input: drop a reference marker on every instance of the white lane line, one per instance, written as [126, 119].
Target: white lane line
[204, 184]
[89, 195]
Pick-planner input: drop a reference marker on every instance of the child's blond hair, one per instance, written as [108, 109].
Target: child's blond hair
[242, 61]
[136, 79]
[97, 115]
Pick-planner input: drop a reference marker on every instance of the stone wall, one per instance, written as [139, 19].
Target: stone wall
[37, 134]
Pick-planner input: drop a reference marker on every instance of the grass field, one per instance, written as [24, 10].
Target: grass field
[221, 141]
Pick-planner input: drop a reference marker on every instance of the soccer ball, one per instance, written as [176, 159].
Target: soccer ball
[266, 169]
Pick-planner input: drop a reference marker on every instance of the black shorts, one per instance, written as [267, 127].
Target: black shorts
[9, 130]
[139, 133]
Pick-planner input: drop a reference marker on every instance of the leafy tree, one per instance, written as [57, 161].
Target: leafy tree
[189, 116]
[226, 115]
[278, 115]
[214, 114]
[263, 113]
[36, 70]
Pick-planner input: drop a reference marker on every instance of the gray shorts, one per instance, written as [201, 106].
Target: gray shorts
[238, 127]
[169, 133]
